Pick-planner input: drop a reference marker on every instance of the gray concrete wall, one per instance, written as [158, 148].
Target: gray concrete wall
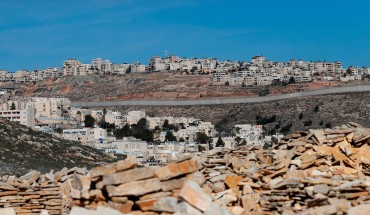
[217, 101]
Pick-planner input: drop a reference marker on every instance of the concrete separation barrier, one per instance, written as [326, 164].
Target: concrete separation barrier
[218, 101]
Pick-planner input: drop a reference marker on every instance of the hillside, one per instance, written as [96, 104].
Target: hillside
[161, 85]
[22, 150]
[331, 110]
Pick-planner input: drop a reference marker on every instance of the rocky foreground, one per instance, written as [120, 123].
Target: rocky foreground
[324, 171]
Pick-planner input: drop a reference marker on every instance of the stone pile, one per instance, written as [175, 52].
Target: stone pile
[35, 192]
[323, 171]
[174, 188]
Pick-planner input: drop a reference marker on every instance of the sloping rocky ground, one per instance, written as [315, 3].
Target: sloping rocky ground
[23, 149]
[332, 109]
[161, 85]
[319, 171]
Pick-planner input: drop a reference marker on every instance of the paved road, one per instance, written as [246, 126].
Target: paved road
[217, 101]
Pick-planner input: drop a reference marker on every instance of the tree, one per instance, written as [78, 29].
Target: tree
[142, 123]
[125, 131]
[328, 125]
[220, 142]
[300, 116]
[243, 143]
[286, 128]
[59, 130]
[165, 124]
[89, 121]
[170, 136]
[316, 109]
[147, 135]
[227, 83]
[201, 137]
[238, 139]
[13, 106]
[307, 123]
[291, 80]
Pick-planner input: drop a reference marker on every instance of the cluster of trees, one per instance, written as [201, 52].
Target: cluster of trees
[139, 130]
[166, 126]
[285, 129]
[170, 136]
[89, 121]
[260, 120]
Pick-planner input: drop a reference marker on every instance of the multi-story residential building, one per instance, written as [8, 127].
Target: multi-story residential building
[137, 67]
[85, 135]
[115, 117]
[82, 69]
[24, 117]
[220, 78]
[208, 65]
[50, 107]
[43, 107]
[258, 60]
[264, 79]
[70, 67]
[132, 148]
[188, 134]
[206, 127]
[20, 74]
[153, 122]
[251, 133]
[120, 69]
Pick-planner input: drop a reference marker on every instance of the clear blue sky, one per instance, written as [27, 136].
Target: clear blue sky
[39, 34]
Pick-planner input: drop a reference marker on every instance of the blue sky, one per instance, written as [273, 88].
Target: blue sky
[39, 34]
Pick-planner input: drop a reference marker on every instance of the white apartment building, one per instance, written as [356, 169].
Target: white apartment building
[85, 135]
[188, 134]
[115, 117]
[20, 74]
[251, 133]
[206, 127]
[43, 107]
[153, 122]
[137, 67]
[82, 69]
[50, 107]
[258, 60]
[167, 151]
[70, 67]
[120, 69]
[24, 117]
[263, 79]
[132, 148]
[220, 78]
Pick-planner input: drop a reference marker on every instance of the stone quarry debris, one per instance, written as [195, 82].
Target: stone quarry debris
[321, 171]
